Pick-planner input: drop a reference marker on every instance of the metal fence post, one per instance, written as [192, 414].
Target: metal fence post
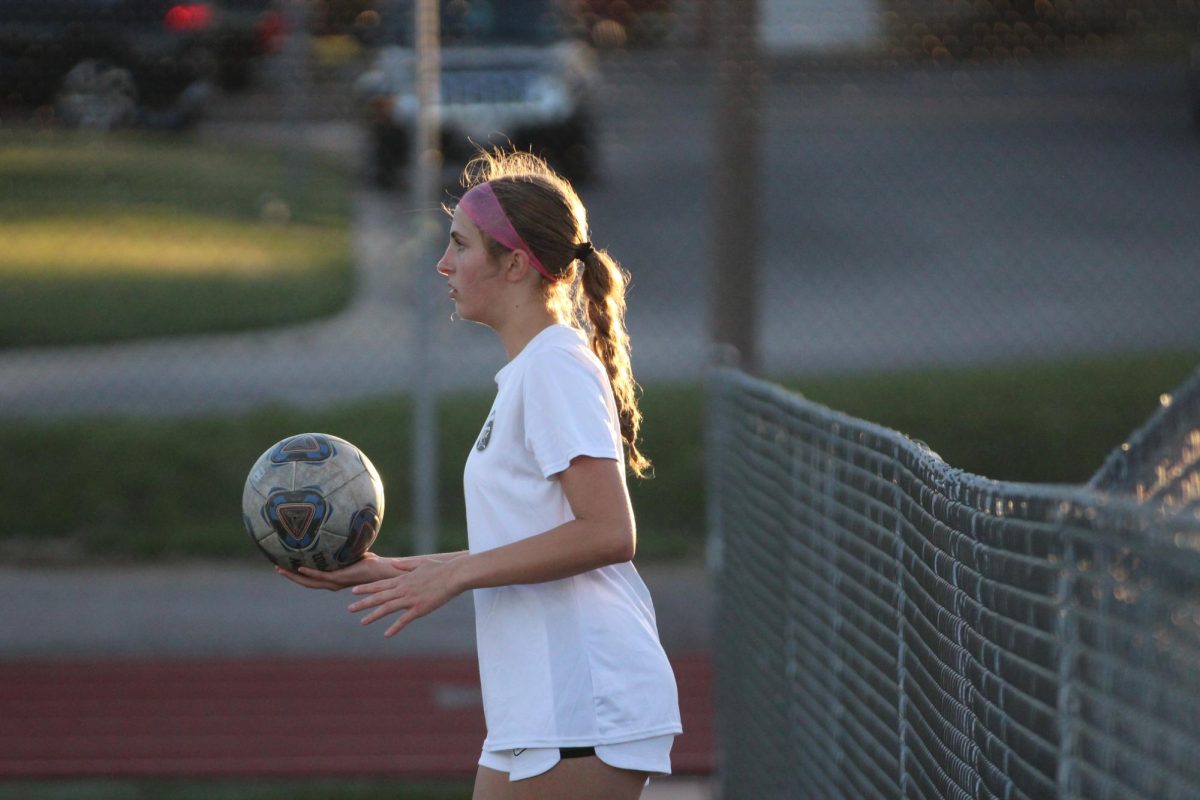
[736, 192]
[427, 162]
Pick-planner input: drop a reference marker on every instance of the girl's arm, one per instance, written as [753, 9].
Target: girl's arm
[602, 533]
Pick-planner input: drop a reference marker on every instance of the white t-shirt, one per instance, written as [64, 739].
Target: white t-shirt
[572, 662]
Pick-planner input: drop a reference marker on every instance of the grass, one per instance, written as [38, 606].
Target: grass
[1041, 423]
[151, 488]
[132, 235]
[264, 789]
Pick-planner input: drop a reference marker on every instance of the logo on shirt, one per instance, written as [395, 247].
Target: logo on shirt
[518, 751]
[485, 437]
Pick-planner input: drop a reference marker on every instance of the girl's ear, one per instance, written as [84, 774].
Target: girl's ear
[518, 266]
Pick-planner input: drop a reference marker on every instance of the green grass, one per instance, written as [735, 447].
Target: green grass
[147, 488]
[264, 789]
[134, 235]
[133, 488]
[1038, 423]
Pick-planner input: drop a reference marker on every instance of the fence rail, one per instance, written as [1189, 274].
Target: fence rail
[890, 626]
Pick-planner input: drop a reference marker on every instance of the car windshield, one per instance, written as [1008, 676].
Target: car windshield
[482, 22]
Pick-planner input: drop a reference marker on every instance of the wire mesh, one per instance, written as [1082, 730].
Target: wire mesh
[890, 626]
[941, 183]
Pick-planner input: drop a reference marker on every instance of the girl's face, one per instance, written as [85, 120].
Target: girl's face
[475, 279]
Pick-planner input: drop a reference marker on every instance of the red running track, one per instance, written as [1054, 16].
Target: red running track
[271, 717]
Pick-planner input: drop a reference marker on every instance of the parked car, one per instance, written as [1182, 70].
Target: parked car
[512, 72]
[101, 63]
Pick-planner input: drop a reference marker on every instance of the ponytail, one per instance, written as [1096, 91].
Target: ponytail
[602, 301]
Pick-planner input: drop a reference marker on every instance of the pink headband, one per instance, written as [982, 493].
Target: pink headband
[481, 205]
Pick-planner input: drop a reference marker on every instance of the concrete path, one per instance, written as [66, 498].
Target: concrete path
[213, 609]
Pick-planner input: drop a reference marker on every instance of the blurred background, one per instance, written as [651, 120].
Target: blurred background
[210, 219]
[976, 222]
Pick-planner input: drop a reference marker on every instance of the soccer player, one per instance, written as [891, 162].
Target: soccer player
[579, 698]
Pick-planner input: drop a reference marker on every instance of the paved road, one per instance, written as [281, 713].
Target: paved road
[916, 217]
[908, 217]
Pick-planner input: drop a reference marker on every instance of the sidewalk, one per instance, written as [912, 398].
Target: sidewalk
[243, 610]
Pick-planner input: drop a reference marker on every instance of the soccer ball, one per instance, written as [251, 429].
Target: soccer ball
[313, 500]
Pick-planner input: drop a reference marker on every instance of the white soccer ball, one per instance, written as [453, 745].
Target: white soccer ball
[313, 500]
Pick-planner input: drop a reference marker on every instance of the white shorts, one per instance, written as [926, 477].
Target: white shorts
[643, 755]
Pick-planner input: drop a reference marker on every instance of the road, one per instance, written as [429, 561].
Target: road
[920, 217]
[909, 217]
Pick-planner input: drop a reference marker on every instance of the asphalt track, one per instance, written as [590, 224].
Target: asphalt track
[397, 717]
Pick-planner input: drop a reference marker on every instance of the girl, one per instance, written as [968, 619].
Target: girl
[579, 698]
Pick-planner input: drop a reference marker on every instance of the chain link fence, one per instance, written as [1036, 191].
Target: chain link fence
[937, 183]
[890, 626]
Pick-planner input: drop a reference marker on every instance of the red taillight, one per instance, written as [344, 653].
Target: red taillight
[187, 17]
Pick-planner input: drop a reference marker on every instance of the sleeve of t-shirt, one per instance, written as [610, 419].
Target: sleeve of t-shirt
[567, 411]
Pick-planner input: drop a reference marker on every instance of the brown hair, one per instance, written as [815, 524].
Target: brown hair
[589, 292]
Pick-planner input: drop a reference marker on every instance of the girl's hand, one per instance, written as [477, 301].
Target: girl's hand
[369, 568]
[423, 586]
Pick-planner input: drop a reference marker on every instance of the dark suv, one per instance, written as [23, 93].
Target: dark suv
[101, 63]
[512, 71]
